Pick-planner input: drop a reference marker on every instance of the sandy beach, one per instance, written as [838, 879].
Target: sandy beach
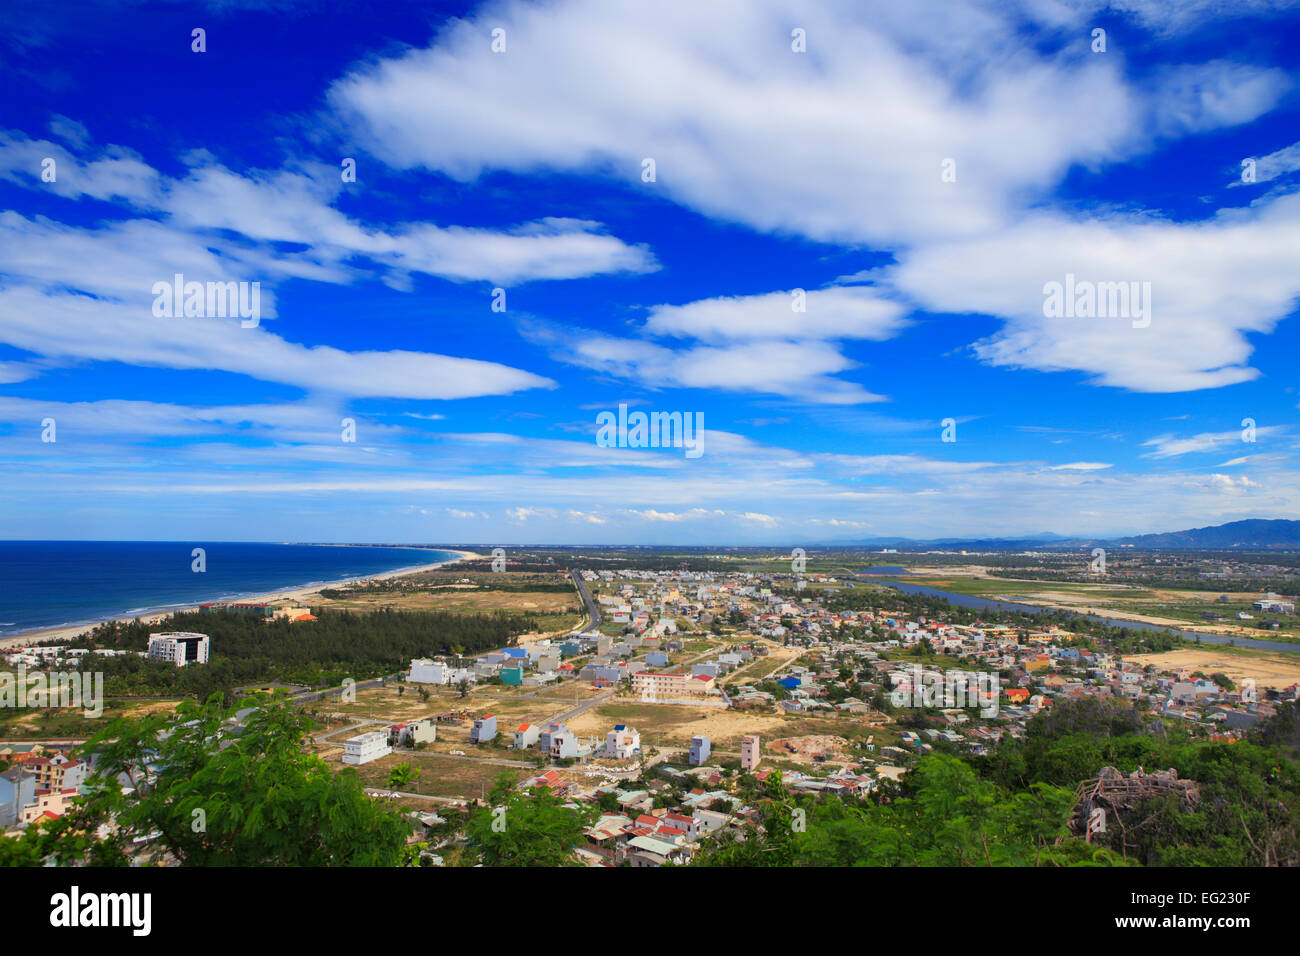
[276, 597]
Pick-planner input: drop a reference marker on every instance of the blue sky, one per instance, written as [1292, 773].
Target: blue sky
[522, 170]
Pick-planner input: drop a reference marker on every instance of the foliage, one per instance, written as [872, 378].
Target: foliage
[248, 649]
[216, 793]
[525, 828]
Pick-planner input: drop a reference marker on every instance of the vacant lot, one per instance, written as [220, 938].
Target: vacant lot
[440, 776]
[673, 725]
[1268, 670]
[58, 723]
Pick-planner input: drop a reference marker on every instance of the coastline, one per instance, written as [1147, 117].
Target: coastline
[154, 616]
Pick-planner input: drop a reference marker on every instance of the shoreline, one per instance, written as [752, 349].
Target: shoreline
[290, 593]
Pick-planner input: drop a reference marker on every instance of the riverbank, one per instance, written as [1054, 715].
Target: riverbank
[994, 604]
[279, 596]
[1091, 599]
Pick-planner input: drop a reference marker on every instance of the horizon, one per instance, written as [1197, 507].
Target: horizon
[469, 278]
[1040, 537]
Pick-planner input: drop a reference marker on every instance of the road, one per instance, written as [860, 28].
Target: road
[593, 611]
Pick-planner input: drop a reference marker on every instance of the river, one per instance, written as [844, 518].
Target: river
[984, 604]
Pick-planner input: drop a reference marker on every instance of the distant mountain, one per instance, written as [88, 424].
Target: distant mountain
[1251, 534]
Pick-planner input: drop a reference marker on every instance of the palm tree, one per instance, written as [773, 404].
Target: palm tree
[402, 776]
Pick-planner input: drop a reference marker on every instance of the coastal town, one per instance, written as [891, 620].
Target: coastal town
[666, 710]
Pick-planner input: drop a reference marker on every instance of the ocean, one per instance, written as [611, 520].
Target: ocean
[59, 583]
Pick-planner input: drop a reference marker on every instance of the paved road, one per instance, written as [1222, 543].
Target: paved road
[593, 611]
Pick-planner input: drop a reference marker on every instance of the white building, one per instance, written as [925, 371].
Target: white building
[749, 752]
[425, 671]
[622, 742]
[178, 647]
[364, 748]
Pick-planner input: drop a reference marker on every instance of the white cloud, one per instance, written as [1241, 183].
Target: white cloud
[71, 328]
[1208, 96]
[833, 313]
[1272, 165]
[296, 206]
[742, 128]
[118, 173]
[1211, 283]
[1171, 446]
[800, 370]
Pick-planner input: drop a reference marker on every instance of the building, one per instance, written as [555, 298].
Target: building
[424, 671]
[526, 735]
[421, 731]
[544, 738]
[1273, 605]
[670, 685]
[622, 742]
[564, 745]
[749, 752]
[366, 747]
[17, 790]
[58, 772]
[484, 729]
[178, 647]
[699, 750]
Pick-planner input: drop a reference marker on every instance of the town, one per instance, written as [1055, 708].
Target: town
[681, 692]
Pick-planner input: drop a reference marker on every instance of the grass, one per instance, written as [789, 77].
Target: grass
[440, 776]
[59, 723]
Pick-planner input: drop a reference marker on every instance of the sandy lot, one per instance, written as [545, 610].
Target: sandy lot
[1268, 671]
[673, 725]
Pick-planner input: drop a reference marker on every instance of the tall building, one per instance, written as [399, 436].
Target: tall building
[178, 647]
[749, 748]
[700, 750]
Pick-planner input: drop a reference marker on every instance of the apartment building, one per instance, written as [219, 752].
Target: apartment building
[178, 647]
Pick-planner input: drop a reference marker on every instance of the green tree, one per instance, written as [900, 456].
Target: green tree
[525, 828]
[402, 776]
[218, 794]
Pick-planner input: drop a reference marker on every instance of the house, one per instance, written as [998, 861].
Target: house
[652, 851]
[544, 738]
[412, 732]
[622, 742]
[564, 745]
[58, 772]
[526, 735]
[424, 671]
[484, 729]
[699, 750]
[366, 747]
[749, 752]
